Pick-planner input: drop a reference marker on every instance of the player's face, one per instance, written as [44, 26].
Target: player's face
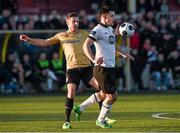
[110, 18]
[73, 23]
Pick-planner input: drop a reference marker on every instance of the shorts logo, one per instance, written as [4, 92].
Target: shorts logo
[67, 79]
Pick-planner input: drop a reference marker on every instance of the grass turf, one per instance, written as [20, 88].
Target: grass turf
[132, 112]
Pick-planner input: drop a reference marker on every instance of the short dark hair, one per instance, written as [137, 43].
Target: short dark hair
[71, 14]
[104, 10]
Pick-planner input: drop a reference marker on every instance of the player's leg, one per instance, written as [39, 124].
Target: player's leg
[72, 84]
[94, 98]
[89, 81]
[97, 97]
[106, 107]
[78, 109]
[69, 104]
[107, 85]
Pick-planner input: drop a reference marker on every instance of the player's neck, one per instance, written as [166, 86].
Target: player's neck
[103, 24]
[70, 31]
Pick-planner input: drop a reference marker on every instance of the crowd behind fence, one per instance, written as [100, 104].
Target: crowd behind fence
[155, 46]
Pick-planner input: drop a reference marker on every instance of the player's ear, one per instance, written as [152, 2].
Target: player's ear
[67, 21]
[104, 16]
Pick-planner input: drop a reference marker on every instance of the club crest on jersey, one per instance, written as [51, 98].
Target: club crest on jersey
[111, 39]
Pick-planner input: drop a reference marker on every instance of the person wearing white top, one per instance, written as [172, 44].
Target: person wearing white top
[103, 37]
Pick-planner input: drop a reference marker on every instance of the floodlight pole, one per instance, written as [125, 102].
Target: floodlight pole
[128, 70]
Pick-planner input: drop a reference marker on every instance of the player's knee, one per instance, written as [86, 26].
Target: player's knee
[93, 82]
[71, 91]
[112, 98]
[71, 94]
[102, 96]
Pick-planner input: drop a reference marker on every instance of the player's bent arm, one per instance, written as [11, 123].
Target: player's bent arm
[35, 41]
[121, 53]
[87, 50]
[125, 55]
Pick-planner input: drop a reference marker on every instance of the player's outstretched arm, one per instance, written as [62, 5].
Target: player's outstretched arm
[38, 42]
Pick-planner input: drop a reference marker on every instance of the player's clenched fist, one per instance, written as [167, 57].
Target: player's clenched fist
[24, 38]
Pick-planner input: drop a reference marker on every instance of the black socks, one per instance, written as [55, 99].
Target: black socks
[68, 105]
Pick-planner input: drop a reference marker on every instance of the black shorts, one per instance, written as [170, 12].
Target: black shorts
[74, 75]
[106, 79]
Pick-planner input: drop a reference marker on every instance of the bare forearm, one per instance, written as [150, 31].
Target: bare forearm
[125, 55]
[121, 53]
[38, 42]
[87, 49]
[88, 52]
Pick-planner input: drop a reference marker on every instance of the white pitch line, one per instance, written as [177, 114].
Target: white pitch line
[159, 116]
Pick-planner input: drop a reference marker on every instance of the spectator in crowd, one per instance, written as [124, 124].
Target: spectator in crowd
[44, 71]
[135, 38]
[178, 45]
[11, 5]
[174, 61]
[142, 6]
[163, 25]
[160, 74]
[148, 25]
[6, 83]
[83, 20]
[137, 67]
[29, 73]
[149, 17]
[164, 6]
[168, 44]
[14, 66]
[4, 19]
[120, 74]
[54, 18]
[57, 66]
[174, 29]
[152, 54]
[95, 5]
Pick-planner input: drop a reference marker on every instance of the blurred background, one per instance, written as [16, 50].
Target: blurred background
[27, 69]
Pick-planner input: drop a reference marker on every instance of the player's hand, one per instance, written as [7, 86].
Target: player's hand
[116, 31]
[129, 57]
[24, 38]
[98, 61]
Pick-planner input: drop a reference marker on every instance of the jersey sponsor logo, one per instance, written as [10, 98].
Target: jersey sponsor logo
[71, 41]
[111, 39]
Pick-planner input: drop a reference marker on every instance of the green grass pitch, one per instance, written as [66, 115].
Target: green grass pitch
[133, 113]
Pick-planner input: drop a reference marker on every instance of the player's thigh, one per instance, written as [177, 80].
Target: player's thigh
[87, 77]
[106, 79]
[73, 77]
